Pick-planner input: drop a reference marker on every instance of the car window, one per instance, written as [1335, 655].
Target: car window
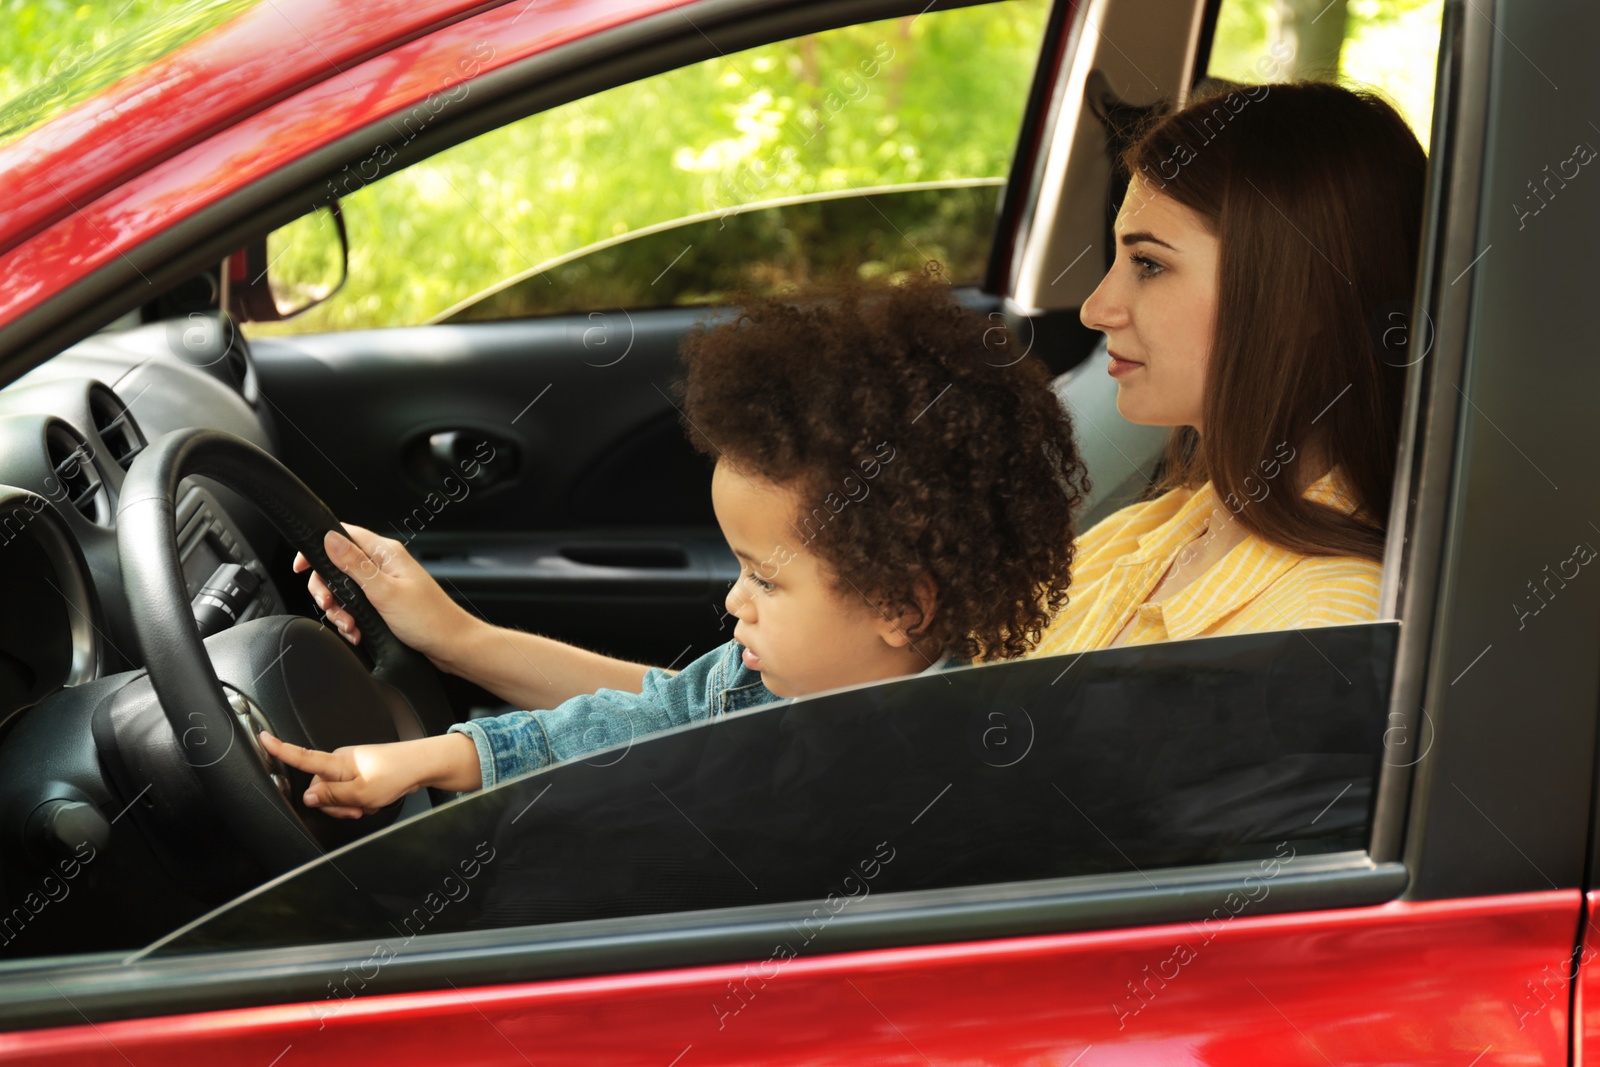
[1389, 46]
[821, 119]
[1261, 748]
[762, 248]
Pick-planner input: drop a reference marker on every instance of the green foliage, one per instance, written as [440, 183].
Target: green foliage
[1390, 46]
[1393, 46]
[54, 53]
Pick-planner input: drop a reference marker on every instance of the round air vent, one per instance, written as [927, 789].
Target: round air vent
[114, 423]
[77, 482]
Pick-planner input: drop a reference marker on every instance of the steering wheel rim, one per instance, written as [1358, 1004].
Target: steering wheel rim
[181, 672]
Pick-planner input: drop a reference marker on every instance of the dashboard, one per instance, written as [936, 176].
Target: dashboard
[69, 432]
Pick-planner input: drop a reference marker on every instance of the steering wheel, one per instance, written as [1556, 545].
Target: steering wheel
[287, 672]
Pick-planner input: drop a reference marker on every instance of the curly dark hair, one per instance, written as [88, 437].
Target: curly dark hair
[964, 459]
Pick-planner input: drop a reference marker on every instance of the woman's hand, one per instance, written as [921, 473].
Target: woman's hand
[420, 613]
[358, 780]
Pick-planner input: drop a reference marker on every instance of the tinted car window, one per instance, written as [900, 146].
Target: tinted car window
[764, 250]
[1130, 759]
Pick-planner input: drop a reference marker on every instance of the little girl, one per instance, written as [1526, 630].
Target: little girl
[898, 492]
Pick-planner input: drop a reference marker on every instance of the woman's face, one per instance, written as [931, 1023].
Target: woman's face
[1157, 306]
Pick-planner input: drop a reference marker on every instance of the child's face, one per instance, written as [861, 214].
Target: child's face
[800, 633]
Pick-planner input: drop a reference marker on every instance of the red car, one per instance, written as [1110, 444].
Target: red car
[1361, 844]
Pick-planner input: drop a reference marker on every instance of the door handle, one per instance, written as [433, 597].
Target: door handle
[483, 458]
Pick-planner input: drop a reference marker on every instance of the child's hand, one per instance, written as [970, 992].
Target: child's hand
[419, 612]
[358, 780]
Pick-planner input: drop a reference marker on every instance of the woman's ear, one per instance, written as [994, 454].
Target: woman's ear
[901, 629]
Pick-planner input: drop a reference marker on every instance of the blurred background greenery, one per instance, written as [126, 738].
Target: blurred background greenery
[1390, 46]
[57, 53]
[929, 104]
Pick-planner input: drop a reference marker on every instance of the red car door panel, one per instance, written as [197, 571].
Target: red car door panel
[1430, 983]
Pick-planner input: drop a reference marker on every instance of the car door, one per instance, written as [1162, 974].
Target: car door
[999, 862]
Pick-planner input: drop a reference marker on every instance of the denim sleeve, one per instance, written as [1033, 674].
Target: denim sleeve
[520, 742]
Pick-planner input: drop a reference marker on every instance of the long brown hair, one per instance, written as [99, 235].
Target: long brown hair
[1315, 194]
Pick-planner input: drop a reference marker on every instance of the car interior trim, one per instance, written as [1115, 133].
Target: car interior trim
[1432, 411]
[1038, 117]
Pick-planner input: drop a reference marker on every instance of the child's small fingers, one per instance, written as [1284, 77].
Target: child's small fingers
[275, 747]
[320, 796]
[320, 593]
[345, 623]
[305, 759]
[341, 797]
[345, 813]
[316, 794]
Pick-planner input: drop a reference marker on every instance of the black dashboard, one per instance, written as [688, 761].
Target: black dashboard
[69, 432]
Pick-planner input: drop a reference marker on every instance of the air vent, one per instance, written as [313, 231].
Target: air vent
[114, 423]
[77, 481]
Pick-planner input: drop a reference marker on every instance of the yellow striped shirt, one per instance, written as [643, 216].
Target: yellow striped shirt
[1256, 586]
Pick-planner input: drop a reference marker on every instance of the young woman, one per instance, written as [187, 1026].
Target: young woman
[1266, 253]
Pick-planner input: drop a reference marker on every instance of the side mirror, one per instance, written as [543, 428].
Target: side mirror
[290, 271]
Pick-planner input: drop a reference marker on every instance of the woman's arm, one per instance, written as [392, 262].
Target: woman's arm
[523, 669]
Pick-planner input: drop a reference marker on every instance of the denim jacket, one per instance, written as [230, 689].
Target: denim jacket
[518, 742]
